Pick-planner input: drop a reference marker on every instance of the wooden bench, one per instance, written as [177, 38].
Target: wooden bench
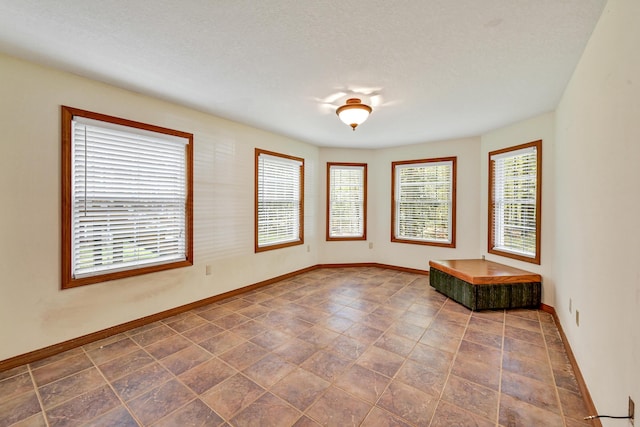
[479, 284]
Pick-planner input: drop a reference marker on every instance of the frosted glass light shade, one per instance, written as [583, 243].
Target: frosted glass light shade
[353, 113]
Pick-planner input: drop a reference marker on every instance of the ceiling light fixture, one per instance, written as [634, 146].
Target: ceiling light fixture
[353, 113]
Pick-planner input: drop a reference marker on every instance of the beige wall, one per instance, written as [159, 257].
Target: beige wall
[379, 205]
[34, 312]
[598, 210]
[540, 127]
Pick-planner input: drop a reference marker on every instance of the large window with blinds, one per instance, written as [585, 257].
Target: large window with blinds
[126, 198]
[424, 202]
[346, 201]
[279, 201]
[514, 202]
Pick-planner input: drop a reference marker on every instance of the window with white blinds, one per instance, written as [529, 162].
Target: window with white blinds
[129, 197]
[279, 200]
[424, 198]
[514, 223]
[346, 201]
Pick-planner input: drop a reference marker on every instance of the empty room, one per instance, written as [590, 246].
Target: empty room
[332, 213]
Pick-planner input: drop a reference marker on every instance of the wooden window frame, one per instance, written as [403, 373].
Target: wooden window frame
[364, 202]
[491, 232]
[394, 238]
[67, 279]
[300, 240]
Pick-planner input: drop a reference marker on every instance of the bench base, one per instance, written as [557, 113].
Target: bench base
[489, 296]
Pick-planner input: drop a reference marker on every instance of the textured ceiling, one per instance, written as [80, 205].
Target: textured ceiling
[433, 69]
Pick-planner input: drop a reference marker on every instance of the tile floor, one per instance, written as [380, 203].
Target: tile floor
[336, 347]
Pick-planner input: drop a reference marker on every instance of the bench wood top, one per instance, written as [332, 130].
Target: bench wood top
[482, 272]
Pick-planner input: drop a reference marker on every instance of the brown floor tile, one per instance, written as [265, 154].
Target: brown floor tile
[193, 414]
[13, 386]
[186, 323]
[440, 340]
[480, 353]
[524, 349]
[336, 323]
[83, 408]
[168, 346]
[249, 329]
[396, 344]
[36, 420]
[484, 338]
[55, 358]
[231, 320]
[305, 421]
[244, 355]
[69, 387]
[471, 396]
[19, 408]
[337, 408]
[221, 342]
[530, 391]
[318, 337]
[110, 351]
[160, 401]
[448, 415]
[476, 372]
[153, 335]
[119, 417]
[300, 388]
[348, 346]
[381, 418]
[232, 395]
[141, 381]
[125, 365]
[363, 383]
[573, 405]
[408, 403]
[422, 377]
[186, 359]
[533, 368]
[271, 339]
[269, 370]
[207, 375]
[268, 410]
[432, 357]
[380, 360]
[326, 365]
[486, 325]
[61, 368]
[13, 372]
[295, 351]
[515, 412]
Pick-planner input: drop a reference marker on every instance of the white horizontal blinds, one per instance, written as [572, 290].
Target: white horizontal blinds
[514, 201]
[129, 198]
[279, 200]
[346, 201]
[424, 201]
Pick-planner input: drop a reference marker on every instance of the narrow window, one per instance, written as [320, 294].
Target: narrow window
[424, 202]
[126, 198]
[346, 201]
[279, 201]
[514, 197]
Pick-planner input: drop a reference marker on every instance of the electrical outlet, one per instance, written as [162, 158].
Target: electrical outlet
[207, 270]
[632, 410]
[308, 248]
[577, 318]
[370, 245]
[570, 306]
